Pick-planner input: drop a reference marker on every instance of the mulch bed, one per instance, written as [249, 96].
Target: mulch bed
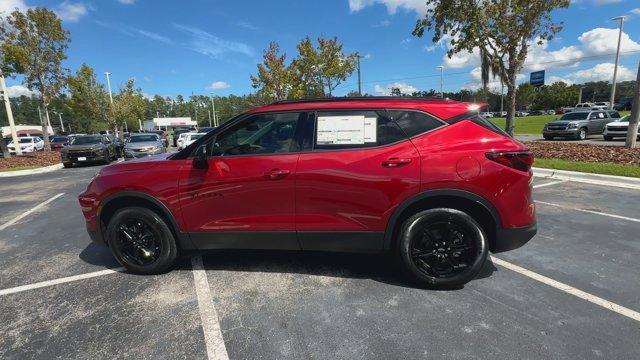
[37, 159]
[584, 152]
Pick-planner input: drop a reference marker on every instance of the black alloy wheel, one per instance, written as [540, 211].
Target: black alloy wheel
[141, 241]
[443, 248]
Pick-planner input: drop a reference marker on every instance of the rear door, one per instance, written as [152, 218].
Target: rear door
[358, 165]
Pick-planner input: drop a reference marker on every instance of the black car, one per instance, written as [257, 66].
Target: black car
[624, 103]
[88, 148]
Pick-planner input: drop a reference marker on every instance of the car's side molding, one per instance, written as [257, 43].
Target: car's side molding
[182, 238]
[463, 194]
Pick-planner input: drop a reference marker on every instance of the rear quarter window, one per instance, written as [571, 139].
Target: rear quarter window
[414, 122]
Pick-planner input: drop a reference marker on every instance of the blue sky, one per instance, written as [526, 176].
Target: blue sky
[205, 46]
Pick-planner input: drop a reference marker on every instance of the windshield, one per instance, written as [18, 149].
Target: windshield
[26, 140]
[143, 138]
[86, 140]
[195, 136]
[575, 116]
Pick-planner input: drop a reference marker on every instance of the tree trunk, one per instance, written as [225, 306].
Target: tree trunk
[3, 147]
[44, 121]
[634, 119]
[121, 133]
[511, 107]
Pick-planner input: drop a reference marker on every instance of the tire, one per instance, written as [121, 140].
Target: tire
[547, 137]
[154, 254]
[582, 134]
[435, 266]
[608, 138]
[107, 158]
[67, 165]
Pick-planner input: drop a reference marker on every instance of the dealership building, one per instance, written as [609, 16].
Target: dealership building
[169, 123]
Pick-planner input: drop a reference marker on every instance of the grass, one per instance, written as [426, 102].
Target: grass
[533, 124]
[589, 167]
[20, 168]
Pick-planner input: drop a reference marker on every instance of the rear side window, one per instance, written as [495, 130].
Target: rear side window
[479, 120]
[414, 122]
[354, 129]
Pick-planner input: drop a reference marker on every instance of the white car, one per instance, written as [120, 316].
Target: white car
[487, 115]
[27, 144]
[191, 138]
[618, 128]
[180, 140]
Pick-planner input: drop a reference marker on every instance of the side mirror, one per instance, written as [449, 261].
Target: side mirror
[217, 150]
[200, 158]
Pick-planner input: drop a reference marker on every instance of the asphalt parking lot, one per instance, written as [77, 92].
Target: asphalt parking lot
[58, 300]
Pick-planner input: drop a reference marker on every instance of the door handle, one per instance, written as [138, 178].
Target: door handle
[395, 162]
[276, 174]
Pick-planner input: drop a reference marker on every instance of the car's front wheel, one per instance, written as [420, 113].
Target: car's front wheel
[442, 248]
[141, 241]
[608, 138]
[582, 134]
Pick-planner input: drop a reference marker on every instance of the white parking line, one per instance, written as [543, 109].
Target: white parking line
[589, 211]
[569, 289]
[27, 213]
[549, 184]
[216, 349]
[59, 281]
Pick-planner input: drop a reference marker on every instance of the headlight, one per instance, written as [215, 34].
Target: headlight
[572, 125]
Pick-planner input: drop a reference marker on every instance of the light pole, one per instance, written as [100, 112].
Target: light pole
[580, 95]
[213, 111]
[358, 56]
[441, 81]
[615, 68]
[107, 74]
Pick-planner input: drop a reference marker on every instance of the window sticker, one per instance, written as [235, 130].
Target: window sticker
[370, 130]
[340, 130]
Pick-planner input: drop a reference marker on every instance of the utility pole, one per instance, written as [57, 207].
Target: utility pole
[634, 118]
[615, 68]
[7, 105]
[359, 78]
[209, 112]
[441, 81]
[501, 97]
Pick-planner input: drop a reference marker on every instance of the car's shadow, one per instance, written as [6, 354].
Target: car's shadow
[381, 268]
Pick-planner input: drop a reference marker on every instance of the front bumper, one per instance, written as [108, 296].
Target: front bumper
[75, 158]
[561, 133]
[129, 154]
[513, 238]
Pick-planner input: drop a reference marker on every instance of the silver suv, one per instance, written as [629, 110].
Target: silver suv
[578, 124]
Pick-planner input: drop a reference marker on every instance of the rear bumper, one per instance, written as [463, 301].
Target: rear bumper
[513, 238]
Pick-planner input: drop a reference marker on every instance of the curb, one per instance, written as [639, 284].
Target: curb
[587, 178]
[42, 170]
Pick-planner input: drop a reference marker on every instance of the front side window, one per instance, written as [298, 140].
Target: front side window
[355, 129]
[260, 134]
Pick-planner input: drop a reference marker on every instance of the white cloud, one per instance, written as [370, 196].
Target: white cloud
[154, 36]
[9, 6]
[601, 72]
[417, 6]
[635, 11]
[606, 2]
[211, 45]
[127, 2]
[604, 41]
[217, 85]
[71, 12]
[247, 25]
[386, 90]
[19, 90]
[133, 32]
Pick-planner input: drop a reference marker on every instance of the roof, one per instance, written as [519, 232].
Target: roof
[443, 109]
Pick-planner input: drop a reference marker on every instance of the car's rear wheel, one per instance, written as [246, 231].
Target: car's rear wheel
[141, 241]
[442, 248]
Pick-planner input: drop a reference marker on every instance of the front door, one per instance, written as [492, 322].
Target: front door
[245, 198]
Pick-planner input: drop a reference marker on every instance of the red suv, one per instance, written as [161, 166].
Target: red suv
[429, 180]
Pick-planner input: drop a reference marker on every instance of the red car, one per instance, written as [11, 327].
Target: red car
[430, 181]
[58, 142]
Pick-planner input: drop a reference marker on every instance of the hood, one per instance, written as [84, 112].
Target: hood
[136, 164]
[618, 123]
[145, 144]
[84, 147]
[562, 122]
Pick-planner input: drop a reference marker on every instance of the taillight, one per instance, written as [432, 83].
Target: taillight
[519, 160]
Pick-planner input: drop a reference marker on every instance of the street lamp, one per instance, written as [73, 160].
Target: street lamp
[441, 81]
[615, 68]
[60, 117]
